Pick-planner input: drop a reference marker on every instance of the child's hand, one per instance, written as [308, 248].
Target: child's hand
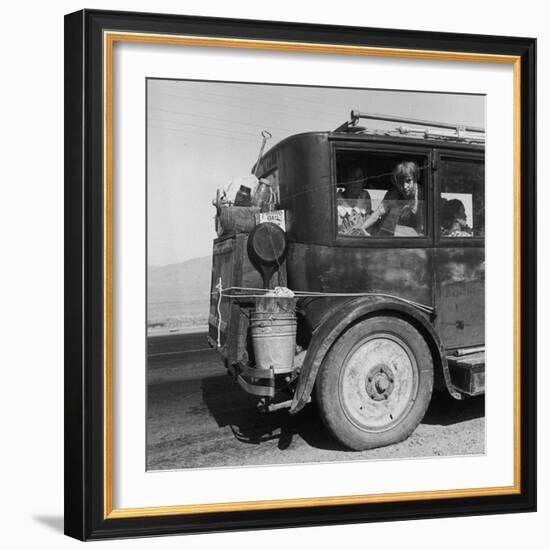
[415, 205]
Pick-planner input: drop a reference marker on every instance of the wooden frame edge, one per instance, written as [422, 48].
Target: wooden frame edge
[109, 39]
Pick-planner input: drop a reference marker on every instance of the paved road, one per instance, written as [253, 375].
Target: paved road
[198, 417]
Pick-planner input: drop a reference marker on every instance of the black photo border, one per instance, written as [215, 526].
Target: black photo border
[88, 493]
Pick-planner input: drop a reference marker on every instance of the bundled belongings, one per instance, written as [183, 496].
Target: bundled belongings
[236, 219]
[264, 197]
[280, 299]
[228, 194]
[238, 203]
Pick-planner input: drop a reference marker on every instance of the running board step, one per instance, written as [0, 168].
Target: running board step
[468, 372]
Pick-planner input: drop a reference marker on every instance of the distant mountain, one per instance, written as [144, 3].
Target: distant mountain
[193, 275]
[178, 295]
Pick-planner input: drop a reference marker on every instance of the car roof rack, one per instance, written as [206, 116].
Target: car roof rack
[459, 132]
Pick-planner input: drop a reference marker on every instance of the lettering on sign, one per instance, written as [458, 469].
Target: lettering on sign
[275, 216]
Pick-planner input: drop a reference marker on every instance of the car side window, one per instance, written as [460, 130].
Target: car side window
[380, 195]
[462, 198]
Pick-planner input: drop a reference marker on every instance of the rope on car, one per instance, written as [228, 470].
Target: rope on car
[250, 292]
[219, 289]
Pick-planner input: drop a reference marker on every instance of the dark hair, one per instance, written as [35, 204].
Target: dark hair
[404, 169]
[450, 212]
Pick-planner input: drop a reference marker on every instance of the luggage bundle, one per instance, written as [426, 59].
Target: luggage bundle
[239, 204]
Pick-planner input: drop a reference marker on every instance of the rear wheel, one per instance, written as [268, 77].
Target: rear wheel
[375, 384]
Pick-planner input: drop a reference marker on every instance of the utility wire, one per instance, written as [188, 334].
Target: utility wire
[286, 114]
[193, 133]
[255, 125]
[217, 128]
[262, 102]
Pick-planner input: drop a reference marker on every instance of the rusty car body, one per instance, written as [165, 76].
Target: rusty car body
[382, 319]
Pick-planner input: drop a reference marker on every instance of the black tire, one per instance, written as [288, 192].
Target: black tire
[376, 383]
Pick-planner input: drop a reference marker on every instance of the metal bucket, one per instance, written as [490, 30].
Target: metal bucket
[274, 340]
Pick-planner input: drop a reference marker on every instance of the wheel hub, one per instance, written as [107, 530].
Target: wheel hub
[379, 382]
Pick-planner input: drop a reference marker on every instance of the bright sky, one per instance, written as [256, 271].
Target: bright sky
[203, 134]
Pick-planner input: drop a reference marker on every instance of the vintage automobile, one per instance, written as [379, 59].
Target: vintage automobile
[385, 312]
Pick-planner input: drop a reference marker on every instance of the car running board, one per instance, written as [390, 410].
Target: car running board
[468, 372]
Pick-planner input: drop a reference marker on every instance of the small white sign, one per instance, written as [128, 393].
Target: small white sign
[276, 216]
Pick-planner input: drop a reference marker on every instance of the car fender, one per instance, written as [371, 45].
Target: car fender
[341, 317]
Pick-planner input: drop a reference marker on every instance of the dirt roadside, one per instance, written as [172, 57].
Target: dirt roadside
[197, 417]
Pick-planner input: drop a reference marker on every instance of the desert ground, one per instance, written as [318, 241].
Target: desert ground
[197, 417]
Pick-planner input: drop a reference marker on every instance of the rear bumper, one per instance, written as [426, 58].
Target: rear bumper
[260, 382]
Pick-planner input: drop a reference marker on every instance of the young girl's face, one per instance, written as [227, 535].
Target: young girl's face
[409, 185]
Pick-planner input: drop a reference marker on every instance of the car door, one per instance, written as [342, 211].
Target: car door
[459, 259]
